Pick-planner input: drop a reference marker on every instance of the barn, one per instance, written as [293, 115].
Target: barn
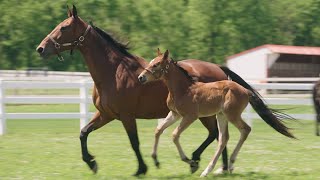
[272, 60]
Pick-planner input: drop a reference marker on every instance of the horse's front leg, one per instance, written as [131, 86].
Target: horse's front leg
[168, 121]
[96, 122]
[129, 123]
[184, 124]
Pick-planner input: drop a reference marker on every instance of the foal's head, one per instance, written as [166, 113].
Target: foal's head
[65, 36]
[156, 68]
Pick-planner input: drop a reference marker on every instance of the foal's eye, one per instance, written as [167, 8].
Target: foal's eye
[155, 65]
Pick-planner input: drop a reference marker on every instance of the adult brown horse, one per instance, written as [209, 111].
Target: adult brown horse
[117, 93]
[316, 102]
[189, 100]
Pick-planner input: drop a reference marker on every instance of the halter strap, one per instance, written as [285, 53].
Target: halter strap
[75, 43]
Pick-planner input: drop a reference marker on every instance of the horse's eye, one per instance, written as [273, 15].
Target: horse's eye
[63, 28]
[155, 65]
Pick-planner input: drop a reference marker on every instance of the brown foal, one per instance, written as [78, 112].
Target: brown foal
[191, 100]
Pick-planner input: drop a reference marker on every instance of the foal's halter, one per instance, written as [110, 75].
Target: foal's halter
[163, 70]
[77, 42]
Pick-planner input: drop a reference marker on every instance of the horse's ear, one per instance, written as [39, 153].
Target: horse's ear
[74, 11]
[166, 55]
[69, 11]
[159, 52]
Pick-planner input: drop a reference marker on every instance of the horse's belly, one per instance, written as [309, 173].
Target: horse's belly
[208, 110]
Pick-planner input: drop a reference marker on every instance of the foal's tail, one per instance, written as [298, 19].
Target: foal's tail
[271, 116]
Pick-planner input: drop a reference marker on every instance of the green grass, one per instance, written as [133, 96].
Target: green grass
[50, 149]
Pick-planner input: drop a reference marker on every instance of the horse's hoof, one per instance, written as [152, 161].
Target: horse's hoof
[194, 166]
[93, 166]
[157, 164]
[141, 171]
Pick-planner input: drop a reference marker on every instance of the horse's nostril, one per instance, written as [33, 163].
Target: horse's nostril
[40, 50]
[141, 79]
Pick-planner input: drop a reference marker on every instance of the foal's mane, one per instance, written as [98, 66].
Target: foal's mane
[189, 77]
[123, 48]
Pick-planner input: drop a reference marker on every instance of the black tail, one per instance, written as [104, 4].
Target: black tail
[271, 116]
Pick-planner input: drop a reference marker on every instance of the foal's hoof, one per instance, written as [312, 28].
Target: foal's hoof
[194, 166]
[220, 171]
[141, 171]
[155, 160]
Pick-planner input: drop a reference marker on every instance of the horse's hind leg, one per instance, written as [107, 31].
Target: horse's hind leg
[244, 132]
[318, 124]
[96, 122]
[168, 121]
[223, 139]
[211, 124]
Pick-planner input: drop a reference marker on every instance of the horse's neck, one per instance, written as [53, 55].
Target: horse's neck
[102, 60]
[177, 82]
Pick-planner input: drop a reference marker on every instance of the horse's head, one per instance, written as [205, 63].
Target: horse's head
[65, 36]
[156, 68]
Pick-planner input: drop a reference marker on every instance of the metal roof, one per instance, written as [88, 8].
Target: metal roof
[282, 49]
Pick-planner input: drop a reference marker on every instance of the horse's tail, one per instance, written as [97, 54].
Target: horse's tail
[271, 116]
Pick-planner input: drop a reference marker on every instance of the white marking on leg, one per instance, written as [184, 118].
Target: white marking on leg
[223, 139]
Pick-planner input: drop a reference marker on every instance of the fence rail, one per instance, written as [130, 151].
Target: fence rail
[84, 99]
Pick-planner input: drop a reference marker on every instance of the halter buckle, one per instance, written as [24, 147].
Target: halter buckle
[57, 45]
[81, 38]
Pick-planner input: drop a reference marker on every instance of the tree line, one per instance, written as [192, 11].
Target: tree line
[209, 30]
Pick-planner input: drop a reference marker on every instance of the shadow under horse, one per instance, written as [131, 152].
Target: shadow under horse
[117, 94]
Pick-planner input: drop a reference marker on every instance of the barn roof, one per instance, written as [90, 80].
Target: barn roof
[283, 49]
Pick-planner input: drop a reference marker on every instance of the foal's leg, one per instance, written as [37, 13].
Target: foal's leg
[244, 132]
[223, 139]
[168, 121]
[184, 124]
[129, 123]
[211, 124]
[96, 122]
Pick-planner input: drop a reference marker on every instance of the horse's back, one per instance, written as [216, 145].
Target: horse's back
[203, 71]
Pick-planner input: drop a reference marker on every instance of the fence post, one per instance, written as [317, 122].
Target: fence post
[2, 113]
[84, 104]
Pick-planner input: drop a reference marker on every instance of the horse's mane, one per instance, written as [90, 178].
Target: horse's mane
[123, 48]
[189, 77]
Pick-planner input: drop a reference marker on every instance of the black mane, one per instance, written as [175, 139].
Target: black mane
[123, 48]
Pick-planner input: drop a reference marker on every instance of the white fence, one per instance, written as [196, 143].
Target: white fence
[84, 99]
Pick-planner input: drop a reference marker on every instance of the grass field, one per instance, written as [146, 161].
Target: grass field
[50, 149]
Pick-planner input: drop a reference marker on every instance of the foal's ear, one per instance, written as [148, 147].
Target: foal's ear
[69, 11]
[74, 11]
[166, 55]
[159, 52]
